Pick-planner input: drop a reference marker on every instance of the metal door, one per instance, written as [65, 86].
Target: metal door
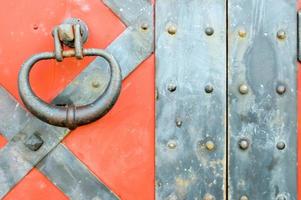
[207, 109]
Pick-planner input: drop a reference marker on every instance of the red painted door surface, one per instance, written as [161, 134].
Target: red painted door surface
[119, 148]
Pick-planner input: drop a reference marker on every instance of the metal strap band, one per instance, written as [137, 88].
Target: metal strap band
[130, 49]
[191, 100]
[262, 99]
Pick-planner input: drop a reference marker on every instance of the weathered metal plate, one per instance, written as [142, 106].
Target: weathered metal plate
[262, 55]
[190, 124]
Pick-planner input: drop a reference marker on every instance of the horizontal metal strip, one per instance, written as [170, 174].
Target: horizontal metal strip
[130, 49]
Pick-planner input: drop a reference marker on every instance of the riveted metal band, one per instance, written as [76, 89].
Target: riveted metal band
[262, 99]
[191, 99]
[130, 49]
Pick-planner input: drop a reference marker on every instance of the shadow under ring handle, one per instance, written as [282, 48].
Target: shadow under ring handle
[70, 116]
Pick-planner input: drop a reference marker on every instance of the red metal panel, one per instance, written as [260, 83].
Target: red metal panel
[119, 148]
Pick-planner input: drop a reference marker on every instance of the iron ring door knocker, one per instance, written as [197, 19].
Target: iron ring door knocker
[70, 116]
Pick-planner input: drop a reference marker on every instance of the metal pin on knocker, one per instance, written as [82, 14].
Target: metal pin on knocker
[72, 33]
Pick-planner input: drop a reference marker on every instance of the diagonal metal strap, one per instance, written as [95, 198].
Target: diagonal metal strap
[16, 160]
[60, 166]
[129, 10]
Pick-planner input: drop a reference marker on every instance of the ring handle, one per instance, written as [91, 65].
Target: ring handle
[70, 116]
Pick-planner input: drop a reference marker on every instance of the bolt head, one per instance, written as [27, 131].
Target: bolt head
[243, 89]
[209, 31]
[281, 145]
[210, 146]
[281, 89]
[172, 29]
[179, 122]
[281, 34]
[34, 142]
[244, 197]
[209, 197]
[244, 144]
[171, 144]
[209, 89]
[144, 26]
[242, 33]
[95, 84]
[172, 87]
[281, 197]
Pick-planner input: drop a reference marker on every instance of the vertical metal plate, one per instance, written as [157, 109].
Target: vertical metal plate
[262, 99]
[190, 122]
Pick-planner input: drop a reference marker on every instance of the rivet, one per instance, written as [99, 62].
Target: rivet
[209, 31]
[35, 27]
[172, 29]
[208, 197]
[209, 89]
[144, 26]
[242, 33]
[280, 145]
[95, 84]
[34, 142]
[243, 89]
[171, 145]
[281, 34]
[172, 87]
[244, 144]
[244, 197]
[281, 89]
[281, 197]
[210, 145]
[179, 122]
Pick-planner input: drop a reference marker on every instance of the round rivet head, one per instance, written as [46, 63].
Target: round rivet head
[209, 89]
[171, 145]
[95, 84]
[281, 34]
[172, 87]
[179, 122]
[242, 33]
[172, 29]
[244, 144]
[243, 89]
[244, 197]
[144, 26]
[280, 145]
[281, 197]
[281, 89]
[210, 145]
[209, 197]
[209, 31]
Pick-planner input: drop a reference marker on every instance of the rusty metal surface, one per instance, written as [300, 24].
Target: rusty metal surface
[70, 116]
[130, 49]
[191, 99]
[262, 99]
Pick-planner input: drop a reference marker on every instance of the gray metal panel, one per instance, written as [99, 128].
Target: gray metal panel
[190, 123]
[262, 55]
